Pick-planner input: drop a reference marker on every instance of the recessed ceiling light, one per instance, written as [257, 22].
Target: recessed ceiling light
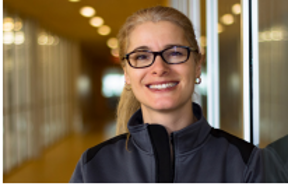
[227, 19]
[220, 28]
[115, 52]
[19, 38]
[276, 35]
[112, 42]
[8, 24]
[74, 1]
[236, 9]
[266, 36]
[96, 21]
[18, 24]
[42, 39]
[104, 30]
[87, 11]
[8, 38]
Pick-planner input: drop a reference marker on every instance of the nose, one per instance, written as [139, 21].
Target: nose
[160, 67]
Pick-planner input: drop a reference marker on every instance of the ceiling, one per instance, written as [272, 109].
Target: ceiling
[63, 18]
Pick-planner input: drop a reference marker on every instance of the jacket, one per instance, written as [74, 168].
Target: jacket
[200, 154]
[275, 157]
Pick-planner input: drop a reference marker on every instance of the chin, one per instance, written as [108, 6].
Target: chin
[164, 107]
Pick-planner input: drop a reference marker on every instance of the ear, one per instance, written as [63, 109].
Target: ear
[127, 78]
[199, 65]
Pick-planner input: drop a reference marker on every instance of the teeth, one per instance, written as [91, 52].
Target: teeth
[162, 86]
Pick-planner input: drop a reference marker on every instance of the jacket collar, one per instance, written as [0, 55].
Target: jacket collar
[184, 140]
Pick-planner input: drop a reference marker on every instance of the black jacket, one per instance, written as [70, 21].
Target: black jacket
[200, 154]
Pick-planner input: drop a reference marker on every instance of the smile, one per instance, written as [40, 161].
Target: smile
[162, 86]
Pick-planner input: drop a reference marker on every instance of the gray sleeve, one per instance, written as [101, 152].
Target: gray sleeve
[77, 176]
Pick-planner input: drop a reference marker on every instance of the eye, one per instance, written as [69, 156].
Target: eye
[176, 53]
[141, 57]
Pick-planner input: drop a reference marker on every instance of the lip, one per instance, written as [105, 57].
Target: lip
[162, 82]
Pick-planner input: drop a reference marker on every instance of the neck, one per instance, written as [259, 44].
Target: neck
[172, 120]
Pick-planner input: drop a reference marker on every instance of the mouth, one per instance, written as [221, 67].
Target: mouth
[162, 86]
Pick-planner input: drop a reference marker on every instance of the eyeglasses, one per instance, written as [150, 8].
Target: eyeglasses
[171, 55]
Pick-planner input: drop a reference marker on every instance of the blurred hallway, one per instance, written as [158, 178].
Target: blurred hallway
[58, 162]
[56, 102]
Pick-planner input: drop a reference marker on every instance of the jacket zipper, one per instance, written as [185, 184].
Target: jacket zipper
[173, 159]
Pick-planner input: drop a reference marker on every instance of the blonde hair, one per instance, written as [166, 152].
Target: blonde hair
[128, 103]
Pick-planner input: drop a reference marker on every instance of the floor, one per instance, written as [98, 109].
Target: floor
[57, 163]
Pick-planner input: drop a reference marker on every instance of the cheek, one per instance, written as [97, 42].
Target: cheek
[136, 78]
[190, 71]
[190, 76]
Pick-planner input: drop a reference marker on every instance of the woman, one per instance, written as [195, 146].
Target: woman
[166, 138]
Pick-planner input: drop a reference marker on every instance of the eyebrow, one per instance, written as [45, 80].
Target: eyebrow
[147, 48]
[141, 48]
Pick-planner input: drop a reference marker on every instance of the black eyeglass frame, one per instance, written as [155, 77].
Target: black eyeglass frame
[155, 54]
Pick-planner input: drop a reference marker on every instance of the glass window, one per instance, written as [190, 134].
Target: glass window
[273, 57]
[230, 66]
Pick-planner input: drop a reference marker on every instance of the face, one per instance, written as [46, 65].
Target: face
[161, 86]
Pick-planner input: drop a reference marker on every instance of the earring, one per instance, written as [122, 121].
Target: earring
[198, 81]
[127, 87]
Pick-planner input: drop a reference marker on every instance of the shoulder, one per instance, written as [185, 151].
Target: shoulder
[90, 153]
[85, 170]
[241, 154]
[275, 157]
[244, 148]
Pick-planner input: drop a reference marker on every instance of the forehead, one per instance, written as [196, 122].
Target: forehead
[156, 35]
